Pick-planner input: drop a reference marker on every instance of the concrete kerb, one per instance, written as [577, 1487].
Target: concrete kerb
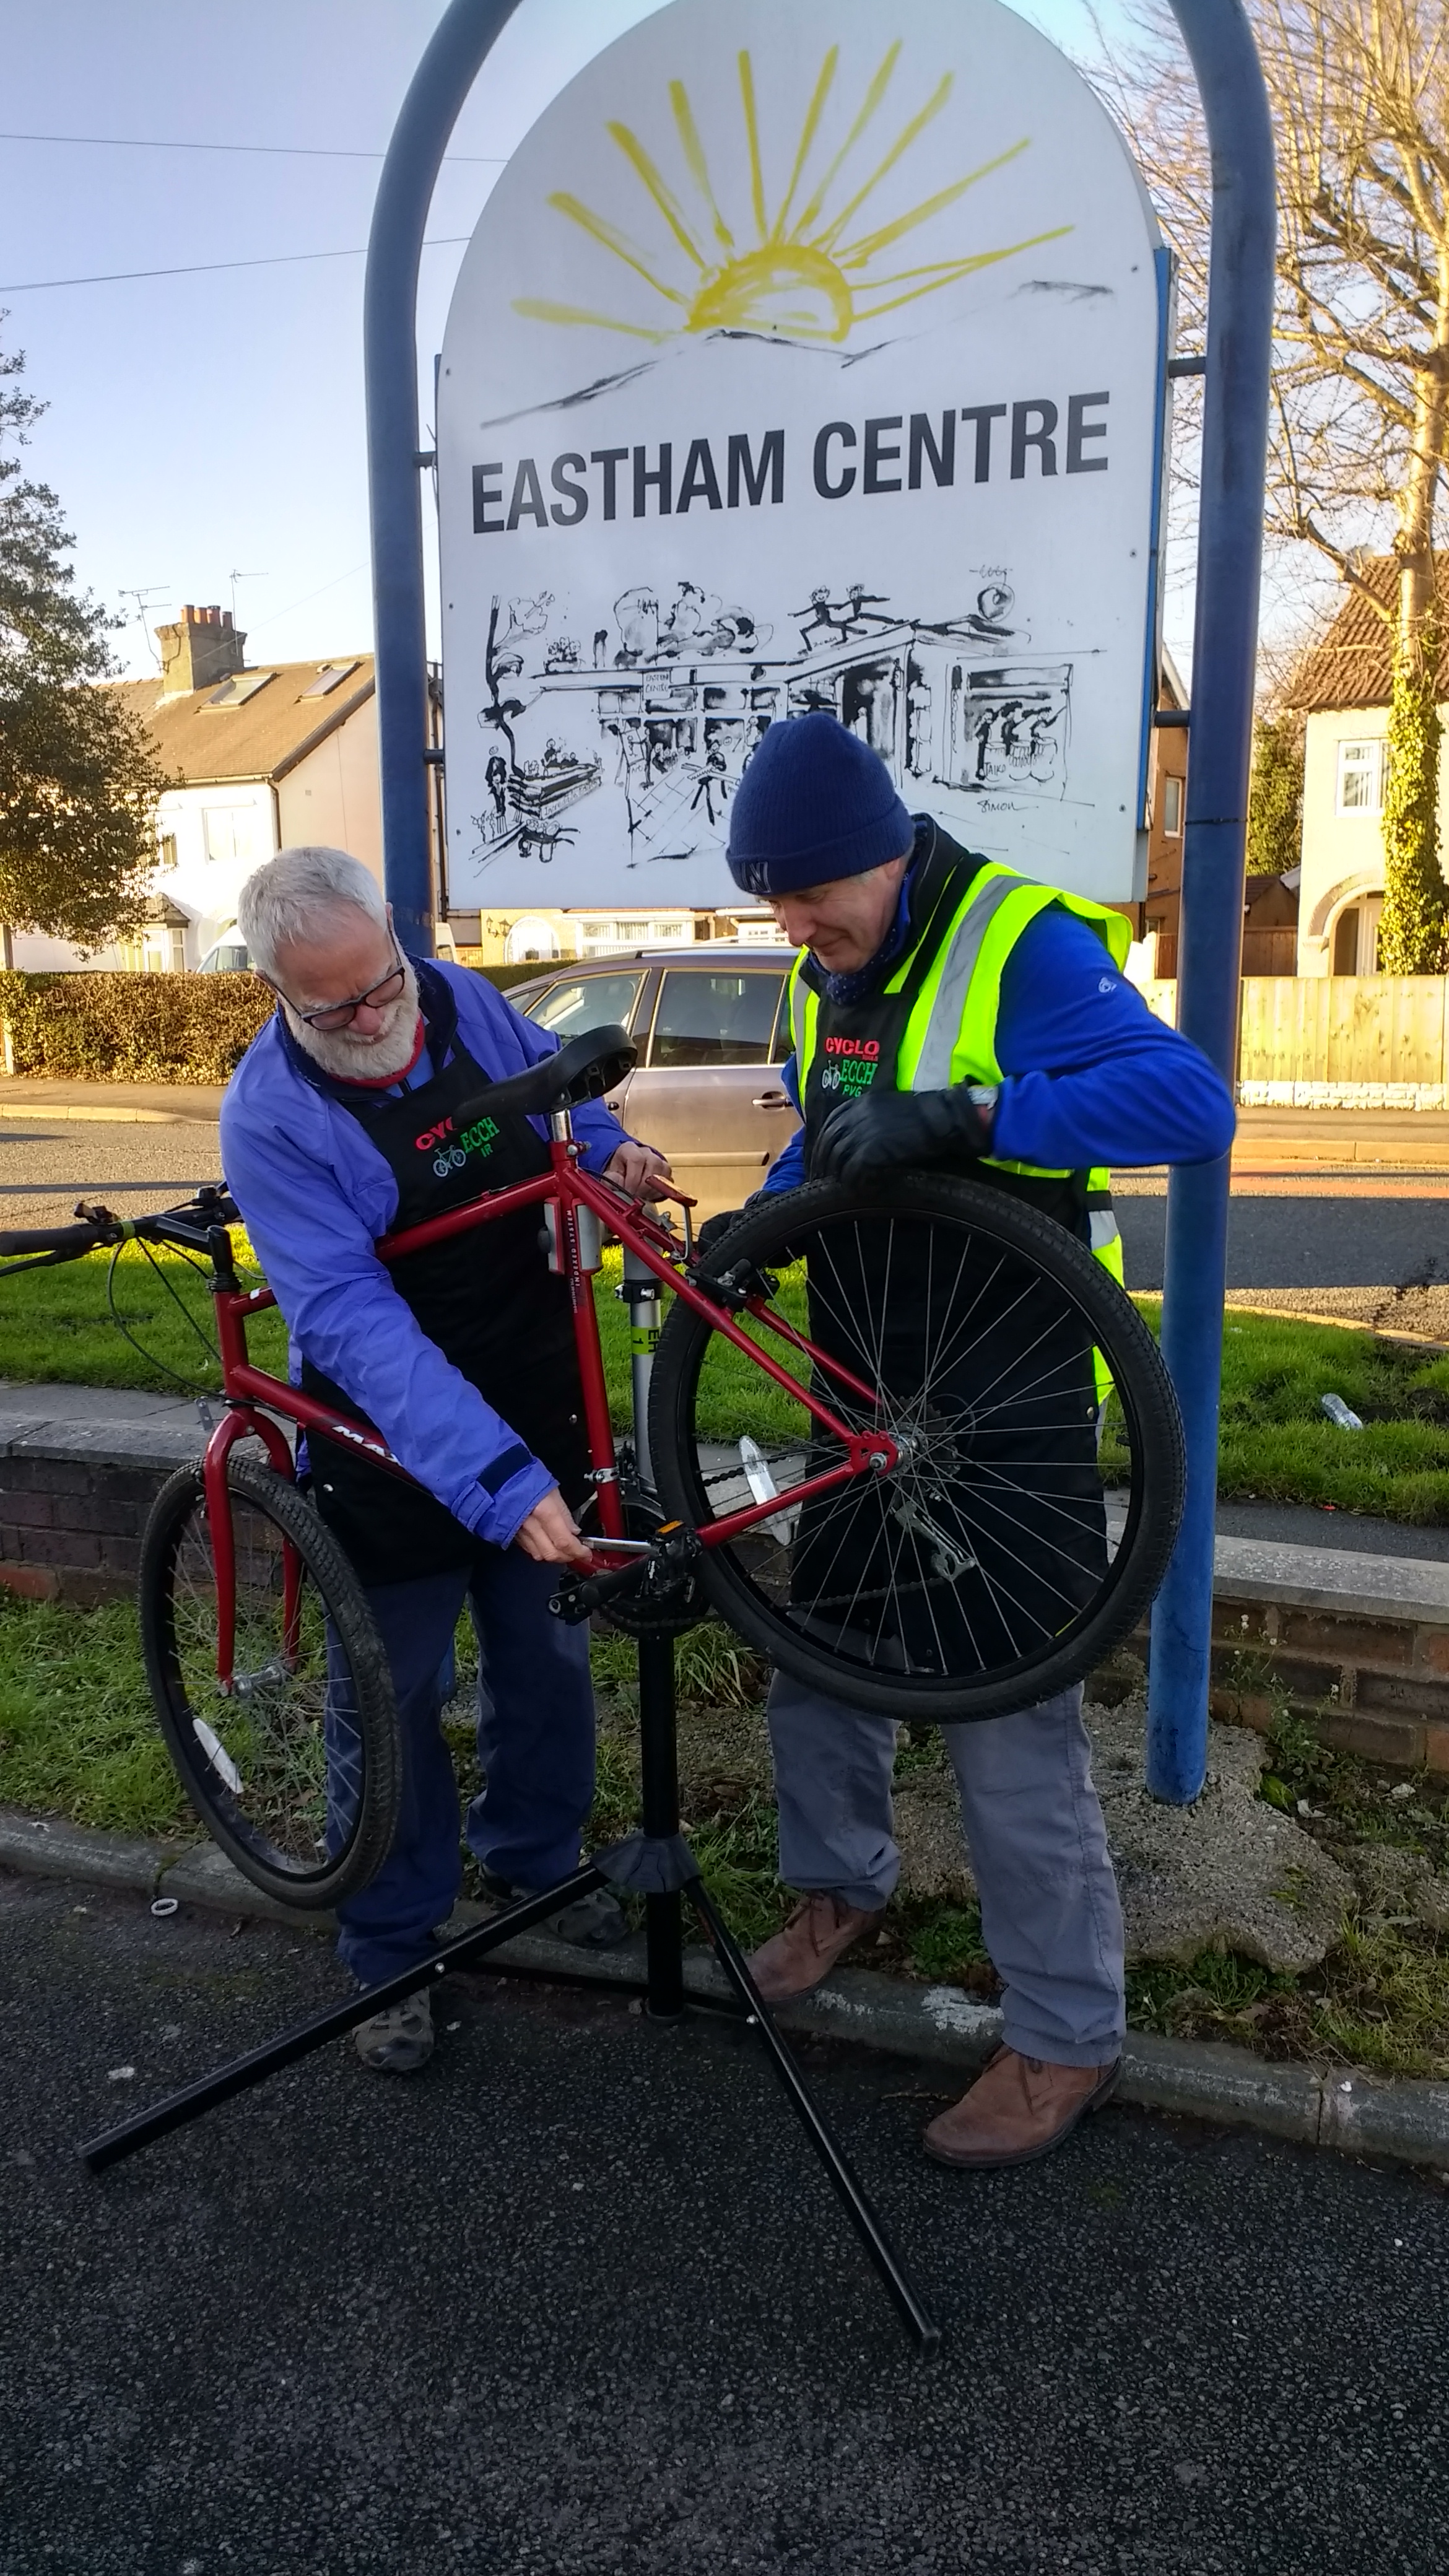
[1406, 2122]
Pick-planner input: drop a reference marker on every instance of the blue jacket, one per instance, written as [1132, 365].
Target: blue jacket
[1090, 1075]
[316, 1194]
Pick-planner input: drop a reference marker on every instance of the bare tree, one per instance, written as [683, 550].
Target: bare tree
[1360, 98]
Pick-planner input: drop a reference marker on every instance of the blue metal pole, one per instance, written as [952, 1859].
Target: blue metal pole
[1219, 41]
[460, 43]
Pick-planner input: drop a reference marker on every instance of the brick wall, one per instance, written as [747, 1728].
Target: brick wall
[74, 1500]
[1374, 1685]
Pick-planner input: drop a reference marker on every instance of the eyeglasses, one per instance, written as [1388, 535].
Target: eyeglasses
[340, 1015]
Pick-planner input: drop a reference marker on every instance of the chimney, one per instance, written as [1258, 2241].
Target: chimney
[204, 649]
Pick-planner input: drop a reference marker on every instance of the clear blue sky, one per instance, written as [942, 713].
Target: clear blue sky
[206, 424]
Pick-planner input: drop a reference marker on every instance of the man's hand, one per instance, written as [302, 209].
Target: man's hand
[884, 1130]
[550, 1534]
[642, 1172]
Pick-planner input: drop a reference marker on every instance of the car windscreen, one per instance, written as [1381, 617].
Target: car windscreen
[719, 1018]
[579, 1002]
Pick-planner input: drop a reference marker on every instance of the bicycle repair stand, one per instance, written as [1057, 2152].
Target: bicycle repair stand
[655, 1862]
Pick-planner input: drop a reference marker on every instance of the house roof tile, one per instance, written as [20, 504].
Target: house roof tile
[266, 735]
[1353, 666]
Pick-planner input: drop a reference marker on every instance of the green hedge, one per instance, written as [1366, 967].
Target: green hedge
[148, 1028]
[131, 1028]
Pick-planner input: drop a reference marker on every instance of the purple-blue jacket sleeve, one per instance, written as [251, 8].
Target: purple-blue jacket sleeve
[1090, 1076]
[316, 1194]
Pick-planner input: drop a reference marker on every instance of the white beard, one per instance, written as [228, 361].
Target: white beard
[349, 1058]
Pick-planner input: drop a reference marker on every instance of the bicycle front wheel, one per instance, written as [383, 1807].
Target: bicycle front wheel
[295, 1770]
[988, 1569]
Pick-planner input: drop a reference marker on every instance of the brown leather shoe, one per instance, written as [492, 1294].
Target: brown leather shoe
[1019, 2109]
[819, 1932]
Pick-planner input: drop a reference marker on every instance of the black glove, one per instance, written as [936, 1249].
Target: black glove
[713, 1231]
[884, 1130]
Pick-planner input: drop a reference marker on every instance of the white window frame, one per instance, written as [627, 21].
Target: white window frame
[1172, 796]
[1361, 756]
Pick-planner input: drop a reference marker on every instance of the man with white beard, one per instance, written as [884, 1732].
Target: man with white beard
[463, 1357]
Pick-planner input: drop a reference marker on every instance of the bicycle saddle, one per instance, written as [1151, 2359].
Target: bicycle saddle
[583, 1069]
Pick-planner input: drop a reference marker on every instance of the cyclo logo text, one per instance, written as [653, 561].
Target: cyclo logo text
[852, 1065]
[478, 1139]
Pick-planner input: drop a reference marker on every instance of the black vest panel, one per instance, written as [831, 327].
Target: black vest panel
[486, 1298]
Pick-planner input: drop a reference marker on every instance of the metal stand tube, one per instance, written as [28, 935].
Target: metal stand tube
[641, 1295]
[862, 2215]
[259, 2063]
[659, 1772]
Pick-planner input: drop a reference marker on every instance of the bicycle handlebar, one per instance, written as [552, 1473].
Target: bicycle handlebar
[190, 1226]
[66, 1242]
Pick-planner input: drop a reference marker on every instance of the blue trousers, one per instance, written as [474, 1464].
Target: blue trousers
[1050, 1913]
[535, 1749]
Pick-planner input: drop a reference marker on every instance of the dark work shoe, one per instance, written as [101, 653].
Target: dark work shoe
[400, 2040]
[593, 1922]
[1018, 2110]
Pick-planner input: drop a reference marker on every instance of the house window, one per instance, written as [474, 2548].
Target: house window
[167, 856]
[229, 831]
[1361, 777]
[1172, 807]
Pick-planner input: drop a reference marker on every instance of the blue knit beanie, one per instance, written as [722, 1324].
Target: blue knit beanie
[814, 804]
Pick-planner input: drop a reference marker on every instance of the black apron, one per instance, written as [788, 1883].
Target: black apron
[487, 1298]
[1010, 1426]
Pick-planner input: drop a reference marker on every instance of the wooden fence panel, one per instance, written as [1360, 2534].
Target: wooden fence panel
[1374, 1029]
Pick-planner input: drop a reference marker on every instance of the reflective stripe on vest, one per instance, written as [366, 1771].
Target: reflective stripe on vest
[950, 1036]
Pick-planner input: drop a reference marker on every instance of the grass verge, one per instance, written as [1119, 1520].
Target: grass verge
[77, 1739]
[1276, 1443]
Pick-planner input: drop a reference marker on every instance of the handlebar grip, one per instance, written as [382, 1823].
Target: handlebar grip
[68, 1241]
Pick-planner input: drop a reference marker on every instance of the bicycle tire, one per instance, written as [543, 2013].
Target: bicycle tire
[266, 1816]
[767, 1607]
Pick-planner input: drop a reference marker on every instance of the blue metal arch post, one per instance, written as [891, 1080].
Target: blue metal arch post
[1224, 58]
[460, 43]
[1240, 306]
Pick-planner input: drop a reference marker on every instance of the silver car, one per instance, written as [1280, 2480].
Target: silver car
[712, 1030]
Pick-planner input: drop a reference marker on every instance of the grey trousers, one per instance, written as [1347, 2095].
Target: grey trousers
[1050, 1912]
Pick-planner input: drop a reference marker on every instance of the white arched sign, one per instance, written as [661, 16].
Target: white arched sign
[795, 364]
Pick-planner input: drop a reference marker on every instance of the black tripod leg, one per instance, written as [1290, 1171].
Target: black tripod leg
[862, 2216]
[659, 1782]
[259, 2063]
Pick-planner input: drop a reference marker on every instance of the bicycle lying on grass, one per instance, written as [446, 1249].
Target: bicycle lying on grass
[872, 1444]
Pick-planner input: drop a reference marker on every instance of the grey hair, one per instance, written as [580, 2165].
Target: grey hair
[282, 901]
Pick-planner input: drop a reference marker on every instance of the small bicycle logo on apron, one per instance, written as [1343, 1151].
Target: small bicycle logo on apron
[450, 1161]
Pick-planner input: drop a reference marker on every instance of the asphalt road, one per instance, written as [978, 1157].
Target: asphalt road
[1298, 1241]
[46, 1167]
[577, 2303]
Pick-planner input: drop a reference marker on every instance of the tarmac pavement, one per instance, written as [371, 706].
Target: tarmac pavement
[578, 2300]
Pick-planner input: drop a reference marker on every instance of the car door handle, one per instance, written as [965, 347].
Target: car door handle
[772, 1100]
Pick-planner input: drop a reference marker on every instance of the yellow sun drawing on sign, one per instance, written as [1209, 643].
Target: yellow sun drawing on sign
[805, 275]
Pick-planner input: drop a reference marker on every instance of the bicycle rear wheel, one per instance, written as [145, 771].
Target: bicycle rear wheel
[988, 1569]
[295, 1771]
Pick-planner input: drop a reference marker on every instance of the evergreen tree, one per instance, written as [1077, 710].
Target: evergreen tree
[78, 776]
[1412, 929]
[1275, 798]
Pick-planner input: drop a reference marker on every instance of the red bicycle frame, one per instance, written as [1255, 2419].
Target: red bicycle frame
[565, 1188]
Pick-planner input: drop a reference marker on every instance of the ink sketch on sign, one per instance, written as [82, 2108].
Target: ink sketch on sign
[794, 367]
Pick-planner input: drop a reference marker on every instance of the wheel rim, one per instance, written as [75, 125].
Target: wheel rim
[257, 1757]
[989, 1549]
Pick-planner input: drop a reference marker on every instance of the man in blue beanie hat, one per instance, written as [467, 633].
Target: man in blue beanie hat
[1062, 1071]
